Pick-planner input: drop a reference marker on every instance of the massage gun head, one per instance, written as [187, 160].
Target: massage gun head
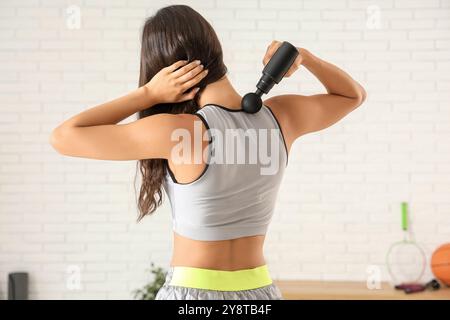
[251, 102]
[273, 72]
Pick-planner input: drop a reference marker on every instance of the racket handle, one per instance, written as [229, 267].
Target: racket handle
[404, 216]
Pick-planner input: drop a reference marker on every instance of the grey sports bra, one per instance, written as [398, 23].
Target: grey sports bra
[235, 195]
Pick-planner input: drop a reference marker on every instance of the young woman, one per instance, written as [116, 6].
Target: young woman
[220, 211]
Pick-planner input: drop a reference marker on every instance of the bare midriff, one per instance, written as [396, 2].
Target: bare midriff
[230, 255]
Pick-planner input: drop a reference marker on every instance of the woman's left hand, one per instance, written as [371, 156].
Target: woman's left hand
[171, 83]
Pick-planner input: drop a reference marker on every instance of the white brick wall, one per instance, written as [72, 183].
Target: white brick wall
[338, 208]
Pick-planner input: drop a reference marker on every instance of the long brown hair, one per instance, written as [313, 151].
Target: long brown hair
[174, 33]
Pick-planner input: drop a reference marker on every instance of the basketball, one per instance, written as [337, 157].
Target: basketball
[440, 263]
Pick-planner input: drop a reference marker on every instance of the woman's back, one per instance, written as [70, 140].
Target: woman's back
[221, 217]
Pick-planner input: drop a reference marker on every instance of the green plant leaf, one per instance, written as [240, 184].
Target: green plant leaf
[149, 290]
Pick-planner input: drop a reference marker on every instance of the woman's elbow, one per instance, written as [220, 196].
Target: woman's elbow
[362, 95]
[58, 139]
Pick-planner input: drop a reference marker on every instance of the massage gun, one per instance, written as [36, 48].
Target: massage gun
[273, 72]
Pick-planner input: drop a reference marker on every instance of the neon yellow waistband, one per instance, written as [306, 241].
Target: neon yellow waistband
[220, 279]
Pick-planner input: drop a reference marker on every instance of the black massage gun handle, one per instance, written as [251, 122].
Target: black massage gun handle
[277, 67]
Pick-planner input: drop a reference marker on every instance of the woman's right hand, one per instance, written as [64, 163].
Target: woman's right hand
[272, 48]
[176, 83]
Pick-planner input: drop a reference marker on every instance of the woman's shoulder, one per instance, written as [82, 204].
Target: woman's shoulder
[279, 107]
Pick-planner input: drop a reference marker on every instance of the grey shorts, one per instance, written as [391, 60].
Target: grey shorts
[172, 292]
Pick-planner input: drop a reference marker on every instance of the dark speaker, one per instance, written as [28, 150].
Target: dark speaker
[18, 286]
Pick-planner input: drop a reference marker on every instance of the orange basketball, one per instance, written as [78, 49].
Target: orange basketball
[440, 263]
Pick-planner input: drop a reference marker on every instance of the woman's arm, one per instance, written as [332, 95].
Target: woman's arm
[299, 114]
[335, 80]
[95, 134]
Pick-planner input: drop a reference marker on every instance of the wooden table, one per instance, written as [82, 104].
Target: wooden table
[350, 290]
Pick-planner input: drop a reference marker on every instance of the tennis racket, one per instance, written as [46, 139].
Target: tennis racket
[405, 259]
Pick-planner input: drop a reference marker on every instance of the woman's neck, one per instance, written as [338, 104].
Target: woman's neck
[221, 93]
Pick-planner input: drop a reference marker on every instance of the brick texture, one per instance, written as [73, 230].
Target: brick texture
[339, 204]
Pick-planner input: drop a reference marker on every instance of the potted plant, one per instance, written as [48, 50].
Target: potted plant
[149, 291]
